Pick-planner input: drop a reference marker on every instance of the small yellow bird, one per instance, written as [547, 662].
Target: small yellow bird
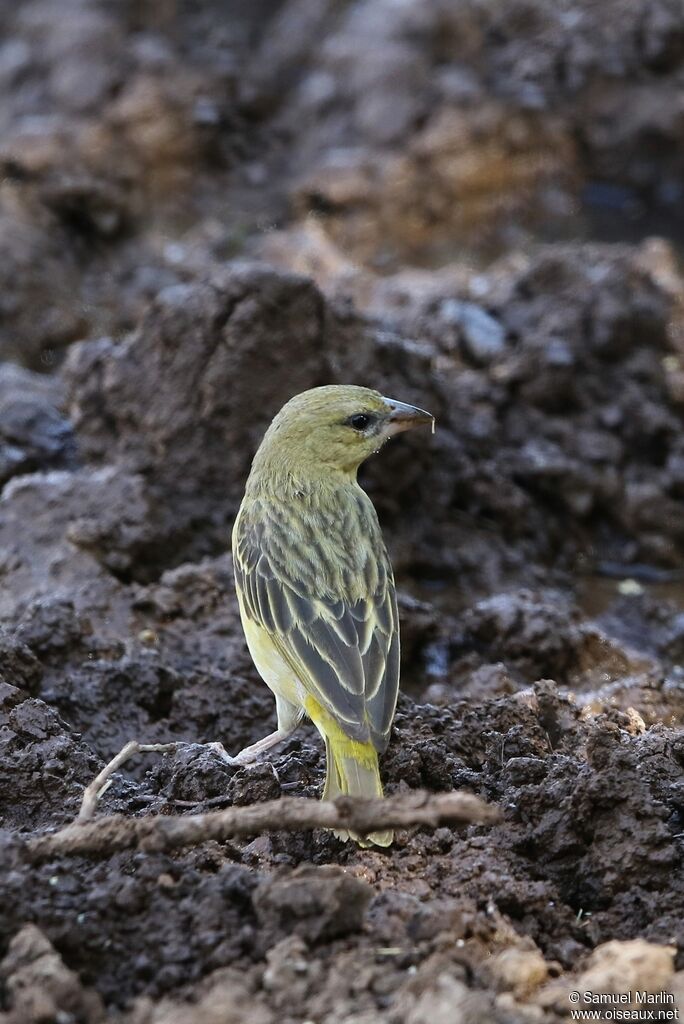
[315, 584]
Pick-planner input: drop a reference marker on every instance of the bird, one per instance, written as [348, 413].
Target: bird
[315, 585]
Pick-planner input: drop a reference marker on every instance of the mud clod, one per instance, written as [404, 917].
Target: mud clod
[475, 207]
[314, 902]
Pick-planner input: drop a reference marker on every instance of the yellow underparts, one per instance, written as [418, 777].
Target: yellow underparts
[351, 769]
[364, 753]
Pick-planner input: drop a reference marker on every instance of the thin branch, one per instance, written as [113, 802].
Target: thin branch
[103, 780]
[158, 832]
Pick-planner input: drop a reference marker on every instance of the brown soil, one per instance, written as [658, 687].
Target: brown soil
[203, 210]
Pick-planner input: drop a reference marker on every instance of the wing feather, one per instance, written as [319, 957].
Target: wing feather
[330, 609]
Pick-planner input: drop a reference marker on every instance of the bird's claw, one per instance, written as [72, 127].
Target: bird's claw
[219, 749]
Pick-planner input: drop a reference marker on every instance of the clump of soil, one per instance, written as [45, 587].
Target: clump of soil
[203, 210]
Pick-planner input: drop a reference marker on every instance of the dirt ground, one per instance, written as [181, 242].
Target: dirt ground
[204, 209]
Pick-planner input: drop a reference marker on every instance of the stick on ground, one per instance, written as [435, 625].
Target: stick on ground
[109, 834]
[102, 780]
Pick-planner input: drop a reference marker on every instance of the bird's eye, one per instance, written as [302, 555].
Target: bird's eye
[360, 421]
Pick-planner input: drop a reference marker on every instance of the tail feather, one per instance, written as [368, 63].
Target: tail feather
[352, 769]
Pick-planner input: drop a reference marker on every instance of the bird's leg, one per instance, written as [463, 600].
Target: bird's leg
[289, 717]
[251, 753]
[103, 779]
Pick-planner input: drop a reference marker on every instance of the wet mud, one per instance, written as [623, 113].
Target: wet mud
[203, 210]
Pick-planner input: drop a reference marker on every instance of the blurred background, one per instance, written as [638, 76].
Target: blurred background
[472, 205]
[476, 206]
[205, 208]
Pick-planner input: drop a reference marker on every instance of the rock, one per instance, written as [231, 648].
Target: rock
[78, 48]
[449, 1001]
[483, 336]
[526, 440]
[634, 966]
[521, 971]
[37, 282]
[477, 96]
[317, 903]
[176, 372]
[43, 768]
[37, 512]
[40, 987]
[51, 624]
[227, 1000]
[33, 433]
[288, 967]
[18, 664]
[466, 173]
[165, 401]
[536, 633]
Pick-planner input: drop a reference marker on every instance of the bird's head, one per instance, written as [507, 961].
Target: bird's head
[336, 427]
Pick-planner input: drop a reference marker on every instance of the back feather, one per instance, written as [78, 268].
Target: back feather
[314, 573]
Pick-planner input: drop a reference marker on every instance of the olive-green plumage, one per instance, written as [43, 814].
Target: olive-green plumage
[315, 584]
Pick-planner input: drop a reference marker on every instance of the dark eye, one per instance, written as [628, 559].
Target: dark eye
[360, 421]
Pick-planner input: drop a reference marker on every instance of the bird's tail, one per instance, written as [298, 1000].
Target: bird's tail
[352, 769]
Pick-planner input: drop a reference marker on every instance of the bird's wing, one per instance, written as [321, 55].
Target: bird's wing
[345, 652]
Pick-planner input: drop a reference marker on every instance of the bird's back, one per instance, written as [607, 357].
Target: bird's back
[313, 572]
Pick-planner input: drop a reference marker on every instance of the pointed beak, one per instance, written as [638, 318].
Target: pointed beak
[405, 417]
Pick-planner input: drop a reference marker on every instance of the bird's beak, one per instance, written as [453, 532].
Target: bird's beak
[405, 417]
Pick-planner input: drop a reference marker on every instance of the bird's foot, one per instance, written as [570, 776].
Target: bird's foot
[219, 749]
[103, 780]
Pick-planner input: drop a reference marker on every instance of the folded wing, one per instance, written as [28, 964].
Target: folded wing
[339, 632]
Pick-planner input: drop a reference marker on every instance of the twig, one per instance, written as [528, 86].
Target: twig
[103, 780]
[158, 832]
